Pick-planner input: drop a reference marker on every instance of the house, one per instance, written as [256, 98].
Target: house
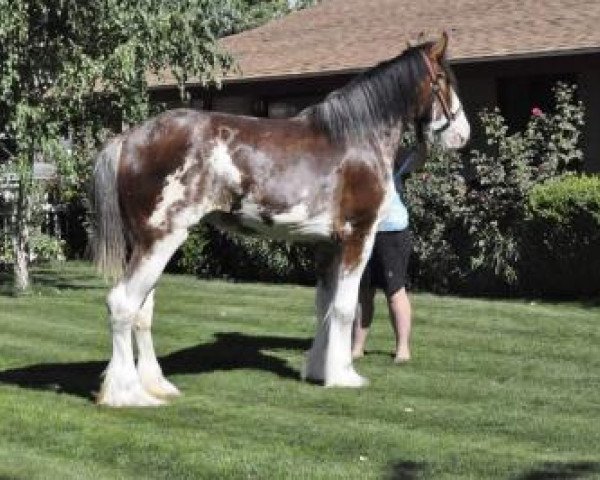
[505, 53]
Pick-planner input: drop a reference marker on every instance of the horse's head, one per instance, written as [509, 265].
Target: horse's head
[443, 118]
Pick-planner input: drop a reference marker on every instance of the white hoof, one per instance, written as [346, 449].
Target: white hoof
[160, 387]
[154, 382]
[346, 378]
[123, 388]
[133, 396]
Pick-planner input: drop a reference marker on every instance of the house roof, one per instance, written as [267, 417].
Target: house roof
[347, 36]
[350, 35]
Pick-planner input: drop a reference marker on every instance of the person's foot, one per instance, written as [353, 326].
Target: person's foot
[358, 354]
[402, 356]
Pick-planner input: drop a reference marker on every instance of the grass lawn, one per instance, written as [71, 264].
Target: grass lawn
[496, 389]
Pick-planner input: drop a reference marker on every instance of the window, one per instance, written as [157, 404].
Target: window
[517, 96]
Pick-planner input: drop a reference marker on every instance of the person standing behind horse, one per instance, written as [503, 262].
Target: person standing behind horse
[387, 269]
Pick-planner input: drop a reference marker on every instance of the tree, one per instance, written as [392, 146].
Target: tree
[69, 69]
[242, 15]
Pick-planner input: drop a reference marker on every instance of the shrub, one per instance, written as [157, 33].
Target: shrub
[501, 177]
[561, 238]
[468, 212]
[45, 248]
[6, 252]
[435, 197]
[209, 252]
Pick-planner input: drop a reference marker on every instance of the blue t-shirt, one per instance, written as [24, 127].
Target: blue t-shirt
[397, 216]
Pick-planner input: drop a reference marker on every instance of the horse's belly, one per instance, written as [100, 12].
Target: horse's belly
[296, 224]
[316, 227]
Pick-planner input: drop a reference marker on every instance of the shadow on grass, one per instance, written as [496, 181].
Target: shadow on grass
[229, 351]
[44, 278]
[561, 471]
[406, 470]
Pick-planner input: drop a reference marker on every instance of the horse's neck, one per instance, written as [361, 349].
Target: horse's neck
[389, 138]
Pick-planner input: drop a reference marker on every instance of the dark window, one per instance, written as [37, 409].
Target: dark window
[517, 96]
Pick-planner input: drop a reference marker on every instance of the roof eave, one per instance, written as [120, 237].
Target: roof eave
[526, 55]
[356, 70]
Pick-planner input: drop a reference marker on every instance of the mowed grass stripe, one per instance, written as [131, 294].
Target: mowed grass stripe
[348, 450]
[286, 421]
[496, 389]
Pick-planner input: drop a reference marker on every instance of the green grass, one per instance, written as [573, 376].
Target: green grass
[496, 389]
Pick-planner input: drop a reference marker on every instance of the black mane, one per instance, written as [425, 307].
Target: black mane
[384, 94]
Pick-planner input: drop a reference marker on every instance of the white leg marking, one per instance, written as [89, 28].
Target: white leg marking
[149, 370]
[314, 367]
[339, 371]
[122, 385]
[330, 357]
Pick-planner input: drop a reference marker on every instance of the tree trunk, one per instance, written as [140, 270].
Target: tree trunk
[21, 240]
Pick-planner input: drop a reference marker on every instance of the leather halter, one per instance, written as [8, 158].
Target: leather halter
[436, 89]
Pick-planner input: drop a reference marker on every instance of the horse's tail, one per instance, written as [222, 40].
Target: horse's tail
[108, 239]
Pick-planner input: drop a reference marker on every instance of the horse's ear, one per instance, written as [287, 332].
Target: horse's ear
[416, 41]
[438, 51]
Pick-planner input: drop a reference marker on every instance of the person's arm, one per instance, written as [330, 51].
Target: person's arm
[407, 163]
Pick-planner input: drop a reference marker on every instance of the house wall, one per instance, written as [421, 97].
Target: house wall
[477, 91]
[590, 95]
[510, 82]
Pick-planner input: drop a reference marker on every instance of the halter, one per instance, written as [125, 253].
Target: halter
[434, 80]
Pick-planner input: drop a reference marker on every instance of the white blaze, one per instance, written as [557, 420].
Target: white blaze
[458, 132]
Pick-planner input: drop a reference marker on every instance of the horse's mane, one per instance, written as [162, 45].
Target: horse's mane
[384, 94]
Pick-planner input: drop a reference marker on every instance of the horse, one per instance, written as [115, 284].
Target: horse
[323, 176]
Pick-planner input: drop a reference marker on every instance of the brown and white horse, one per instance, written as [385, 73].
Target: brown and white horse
[324, 175]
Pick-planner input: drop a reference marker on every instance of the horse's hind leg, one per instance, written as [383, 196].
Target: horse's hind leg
[148, 368]
[122, 385]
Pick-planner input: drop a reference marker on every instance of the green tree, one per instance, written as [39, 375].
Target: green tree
[69, 69]
[239, 15]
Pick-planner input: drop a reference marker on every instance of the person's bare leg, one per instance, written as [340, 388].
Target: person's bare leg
[363, 320]
[400, 315]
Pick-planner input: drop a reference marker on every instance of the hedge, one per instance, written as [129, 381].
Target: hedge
[561, 238]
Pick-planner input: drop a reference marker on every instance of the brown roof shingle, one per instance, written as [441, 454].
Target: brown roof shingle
[341, 35]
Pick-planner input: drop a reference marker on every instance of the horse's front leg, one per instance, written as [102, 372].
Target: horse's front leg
[328, 261]
[330, 358]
